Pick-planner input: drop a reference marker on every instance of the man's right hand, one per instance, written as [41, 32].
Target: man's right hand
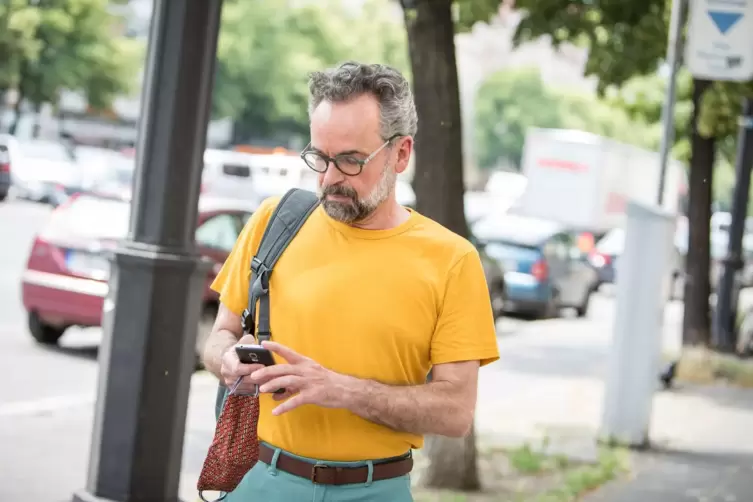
[232, 368]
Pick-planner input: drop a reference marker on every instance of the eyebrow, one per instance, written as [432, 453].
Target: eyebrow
[346, 152]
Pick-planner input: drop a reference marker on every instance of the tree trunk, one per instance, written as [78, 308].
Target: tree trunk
[438, 183]
[696, 323]
[438, 179]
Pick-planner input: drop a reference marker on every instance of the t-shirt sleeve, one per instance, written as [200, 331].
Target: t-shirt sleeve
[232, 280]
[465, 330]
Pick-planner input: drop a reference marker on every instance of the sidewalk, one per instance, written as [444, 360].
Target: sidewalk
[547, 383]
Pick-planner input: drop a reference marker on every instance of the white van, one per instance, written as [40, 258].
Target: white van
[228, 175]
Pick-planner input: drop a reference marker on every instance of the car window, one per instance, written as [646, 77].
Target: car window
[218, 232]
[237, 170]
[559, 247]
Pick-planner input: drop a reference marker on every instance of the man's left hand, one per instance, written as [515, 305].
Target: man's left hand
[307, 381]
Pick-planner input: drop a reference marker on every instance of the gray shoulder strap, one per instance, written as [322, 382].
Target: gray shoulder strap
[287, 219]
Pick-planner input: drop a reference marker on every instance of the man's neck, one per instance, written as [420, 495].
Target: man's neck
[388, 215]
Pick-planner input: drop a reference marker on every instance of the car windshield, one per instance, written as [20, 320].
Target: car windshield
[47, 150]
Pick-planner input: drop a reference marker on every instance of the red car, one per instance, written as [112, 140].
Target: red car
[65, 281]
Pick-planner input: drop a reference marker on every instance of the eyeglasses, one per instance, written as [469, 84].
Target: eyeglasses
[346, 163]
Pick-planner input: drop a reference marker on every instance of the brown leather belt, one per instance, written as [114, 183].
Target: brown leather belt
[323, 474]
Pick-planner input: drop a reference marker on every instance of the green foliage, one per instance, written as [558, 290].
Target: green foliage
[628, 40]
[266, 52]
[18, 22]
[65, 44]
[624, 38]
[470, 12]
[510, 102]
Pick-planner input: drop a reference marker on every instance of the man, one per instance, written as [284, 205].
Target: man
[367, 299]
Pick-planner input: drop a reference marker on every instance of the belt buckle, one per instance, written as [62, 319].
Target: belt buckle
[315, 470]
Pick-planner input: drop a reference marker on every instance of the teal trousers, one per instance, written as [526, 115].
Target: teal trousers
[265, 483]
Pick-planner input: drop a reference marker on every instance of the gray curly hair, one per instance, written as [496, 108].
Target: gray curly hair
[389, 86]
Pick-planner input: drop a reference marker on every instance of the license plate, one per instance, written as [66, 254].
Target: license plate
[88, 265]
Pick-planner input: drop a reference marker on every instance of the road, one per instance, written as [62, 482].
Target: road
[549, 376]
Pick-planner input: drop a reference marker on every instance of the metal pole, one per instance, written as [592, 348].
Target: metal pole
[724, 319]
[152, 309]
[674, 50]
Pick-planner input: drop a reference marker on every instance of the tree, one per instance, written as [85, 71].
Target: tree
[18, 23]
[508, 103]
[626, 39]
[76, 51]
[265, 54]
[438, 179]
[511, 101]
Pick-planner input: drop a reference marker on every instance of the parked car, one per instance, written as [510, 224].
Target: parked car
[544, 269]
[5, 180]
[66, 276]
[495, 279]
[609, 248]
[41, 170]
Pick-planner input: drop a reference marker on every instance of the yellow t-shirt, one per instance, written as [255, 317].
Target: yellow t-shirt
[384, 305]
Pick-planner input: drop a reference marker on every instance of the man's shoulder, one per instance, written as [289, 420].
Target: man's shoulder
[439, 237]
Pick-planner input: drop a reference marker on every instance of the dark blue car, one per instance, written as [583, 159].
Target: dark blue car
[544, 269]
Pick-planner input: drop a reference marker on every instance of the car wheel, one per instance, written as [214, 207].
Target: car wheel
[582, 309]
[552, 308]
[42, 332]
[206, 322]
[3, 195]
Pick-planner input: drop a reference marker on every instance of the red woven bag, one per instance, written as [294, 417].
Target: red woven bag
[235, 447]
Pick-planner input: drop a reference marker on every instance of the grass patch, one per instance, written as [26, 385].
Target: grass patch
[703, 366]
[528, 474]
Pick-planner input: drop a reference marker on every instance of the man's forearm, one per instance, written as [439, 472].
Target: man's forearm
[217, 343]
[432, 408]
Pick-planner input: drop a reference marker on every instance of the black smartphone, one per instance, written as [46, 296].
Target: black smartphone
[256, 354]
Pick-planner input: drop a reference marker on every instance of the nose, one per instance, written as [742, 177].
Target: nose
[331, 176]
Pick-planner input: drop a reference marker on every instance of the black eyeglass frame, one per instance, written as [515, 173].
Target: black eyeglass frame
[361, 162]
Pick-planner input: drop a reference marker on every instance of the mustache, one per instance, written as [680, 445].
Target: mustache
[341, 190]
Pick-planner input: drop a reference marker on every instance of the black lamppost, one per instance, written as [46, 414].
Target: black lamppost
[152, 310]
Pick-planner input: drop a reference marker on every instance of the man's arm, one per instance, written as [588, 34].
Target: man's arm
[226, 332]
[445, 406]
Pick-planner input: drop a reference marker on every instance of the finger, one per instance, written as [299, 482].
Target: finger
[266, 373]
[284, 382]
[286, 353]
[291, 404]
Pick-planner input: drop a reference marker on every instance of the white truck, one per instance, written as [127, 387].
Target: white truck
[583, 180]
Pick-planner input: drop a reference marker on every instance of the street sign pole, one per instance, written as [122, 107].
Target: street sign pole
[720, 48]
[152, 310]
[725, 332]
[674, 50]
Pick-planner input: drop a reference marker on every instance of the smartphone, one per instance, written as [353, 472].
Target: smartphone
[256, 354]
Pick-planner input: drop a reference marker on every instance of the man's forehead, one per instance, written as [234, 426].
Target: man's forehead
[344, 125]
